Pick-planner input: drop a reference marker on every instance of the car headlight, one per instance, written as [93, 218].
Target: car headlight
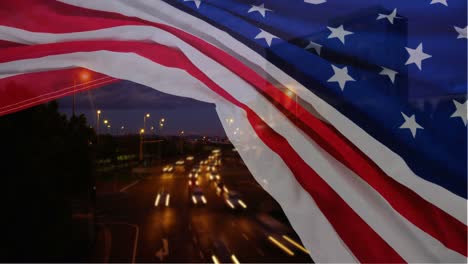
[242, 204]
[230, 204]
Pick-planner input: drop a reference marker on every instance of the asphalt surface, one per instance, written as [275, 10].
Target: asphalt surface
[138, 231]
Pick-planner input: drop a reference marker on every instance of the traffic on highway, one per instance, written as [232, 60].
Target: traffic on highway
[196, 209]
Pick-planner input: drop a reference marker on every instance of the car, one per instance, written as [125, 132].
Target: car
[214, 177]
[193, 182]
[162, 199]
[233, 200]
[197, 196]
[168, 168]
[193, 175]
[221, 254]
[221, 187]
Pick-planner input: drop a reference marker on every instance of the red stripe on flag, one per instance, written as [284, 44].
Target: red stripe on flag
[352, 229]
[9, 44]
[27, 90]
[444, 227]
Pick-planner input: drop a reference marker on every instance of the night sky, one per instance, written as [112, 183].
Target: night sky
[125, 103]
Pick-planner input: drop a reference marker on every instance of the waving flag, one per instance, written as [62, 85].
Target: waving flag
[351, 114]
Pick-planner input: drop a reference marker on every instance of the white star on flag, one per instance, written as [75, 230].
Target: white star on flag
[411, 124]
[341, 76]
[462, 32]
[197, 2]
[417, 56]
[339, 33]
[317, 47]
[260, 8]
[267, 36]
[390, 17]
[461, 111]
[390, 73]
[444, 2]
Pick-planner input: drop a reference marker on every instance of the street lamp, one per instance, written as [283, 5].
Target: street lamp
[144, 121]
[181, 134]
[161, 124]
[142, 131]
[98, 113]
[84, 77]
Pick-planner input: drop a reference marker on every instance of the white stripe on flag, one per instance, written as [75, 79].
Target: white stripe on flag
[391, 163]
[411, 243]
[315, 229]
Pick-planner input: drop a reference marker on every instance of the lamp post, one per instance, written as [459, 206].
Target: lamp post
[142, 131]
[181, 134]
[144, 121]
[161, 124]
[84, 76]
[106, 123]
[98, 114]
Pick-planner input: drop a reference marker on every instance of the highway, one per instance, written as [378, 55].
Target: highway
[153, 219]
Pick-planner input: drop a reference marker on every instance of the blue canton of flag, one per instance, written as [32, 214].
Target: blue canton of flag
[395, 68]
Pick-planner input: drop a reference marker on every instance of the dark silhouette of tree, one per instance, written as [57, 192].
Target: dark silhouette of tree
[46, 164]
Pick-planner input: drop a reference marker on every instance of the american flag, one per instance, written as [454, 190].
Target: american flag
[352, 114]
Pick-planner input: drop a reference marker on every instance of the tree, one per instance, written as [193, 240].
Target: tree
[46, 163]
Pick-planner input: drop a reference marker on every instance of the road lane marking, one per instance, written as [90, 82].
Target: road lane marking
[129, 186]
[164, 251]
[107, 242]
[245, 236]
[296, 244]
[281, 246]
[135, 244]
[137, 235]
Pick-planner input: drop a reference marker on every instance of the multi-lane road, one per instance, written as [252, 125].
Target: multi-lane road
[133, 229]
